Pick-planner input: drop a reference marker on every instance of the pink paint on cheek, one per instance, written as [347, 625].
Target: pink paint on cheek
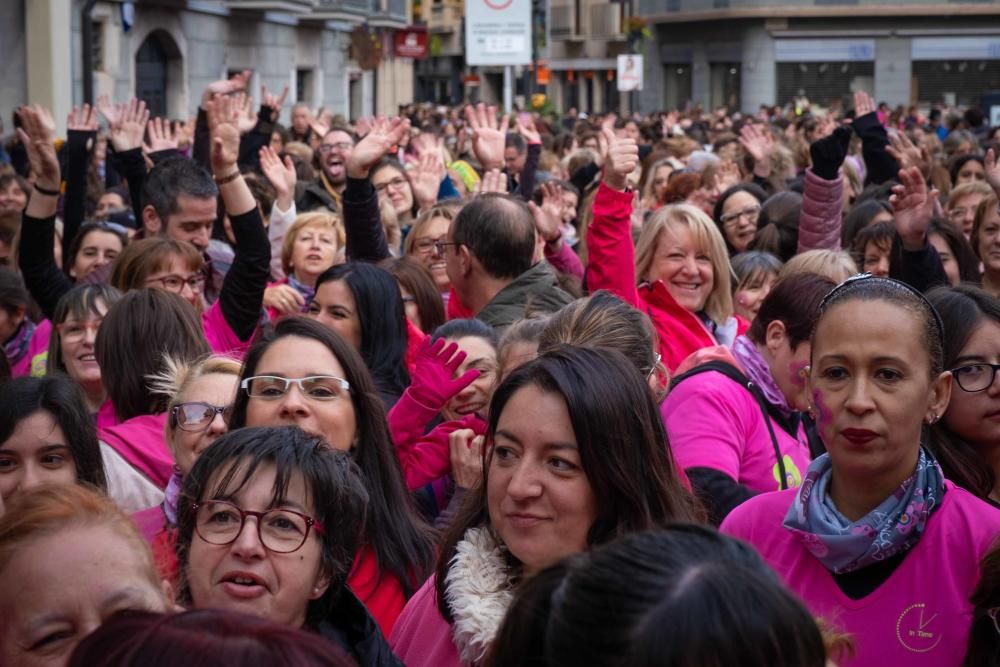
[795, 374]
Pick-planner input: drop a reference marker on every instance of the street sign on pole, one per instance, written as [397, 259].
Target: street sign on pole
[498, 32]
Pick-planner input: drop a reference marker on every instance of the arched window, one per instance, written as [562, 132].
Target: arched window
[159, 74]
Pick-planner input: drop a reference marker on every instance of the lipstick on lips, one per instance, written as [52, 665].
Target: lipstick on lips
[858, 436]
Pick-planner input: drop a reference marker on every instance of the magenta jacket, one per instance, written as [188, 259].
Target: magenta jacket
[140, 442]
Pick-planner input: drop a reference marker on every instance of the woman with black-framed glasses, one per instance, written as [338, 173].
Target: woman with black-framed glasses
[201, 395]
[969, 431]
[269, 521]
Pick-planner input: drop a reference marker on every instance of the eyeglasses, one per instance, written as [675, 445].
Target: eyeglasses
[197, 416]
[73, 331]
[395, 184]
[425, 245]
[439, 246]
[174, 283]
[314, 387]
[956, 213]
[340, 146]
[652, 370]
[975, 377]
[282, 531]
[748, 212]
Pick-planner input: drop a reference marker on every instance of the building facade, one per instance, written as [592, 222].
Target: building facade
[167, 51]
[744, 53]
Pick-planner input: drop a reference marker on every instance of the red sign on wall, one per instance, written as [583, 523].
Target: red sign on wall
[411, 43]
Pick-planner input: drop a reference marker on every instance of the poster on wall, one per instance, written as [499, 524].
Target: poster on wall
[629, 73]
[498, 32]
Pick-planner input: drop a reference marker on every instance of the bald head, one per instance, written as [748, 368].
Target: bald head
[499, 231]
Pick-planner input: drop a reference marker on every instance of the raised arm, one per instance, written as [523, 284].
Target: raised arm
[821, 216]
[81, 130]
[611, 254]
[282, 176]
[36, 258]
[914, 260]
[366, 240]
[880, 165]
[127, 124]
[242, 292]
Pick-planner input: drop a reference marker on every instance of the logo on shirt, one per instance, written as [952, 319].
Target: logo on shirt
[792, 474]
[918, 629]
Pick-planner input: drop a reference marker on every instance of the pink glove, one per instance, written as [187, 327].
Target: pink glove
[433, 382]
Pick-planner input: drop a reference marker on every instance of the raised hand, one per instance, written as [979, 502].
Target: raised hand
[727, 176]
[466, 450]
[184, 132]
[83, 119]
[433, 380]
[272, 102]
[426, 178]
[913, 208]
[284, 298]
[904, 151]
[548, 216]
[992, 170]
[863, 104]
[527, 130]
[110, 111]
[246, 117]
[489, 136]
[223, 124]
[161, 136]
[235, 84]
[379, 142]
[622, 160]
[363, 126]
[281, 175]
[37, 137]
[759, 144]
[493, 180]
[127, 133]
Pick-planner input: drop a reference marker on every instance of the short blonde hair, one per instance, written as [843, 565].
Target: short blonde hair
[447, 209]
[966, 189]
[323, 219]
[836, 265]
[178, 375]
[707, 238]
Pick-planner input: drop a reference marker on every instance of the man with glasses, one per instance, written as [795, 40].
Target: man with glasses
[331, 162]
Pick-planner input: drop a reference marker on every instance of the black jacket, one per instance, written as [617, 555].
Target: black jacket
[352, 628]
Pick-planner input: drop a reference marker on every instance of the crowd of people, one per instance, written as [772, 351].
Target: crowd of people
[464, 388]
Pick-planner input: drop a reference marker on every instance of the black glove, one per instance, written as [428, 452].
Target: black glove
[829, 152]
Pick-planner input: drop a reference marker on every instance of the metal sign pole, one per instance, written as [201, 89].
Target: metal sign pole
[508, 88]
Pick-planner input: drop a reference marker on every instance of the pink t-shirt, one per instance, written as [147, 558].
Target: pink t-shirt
[919, 616]
[37, 346]
[421, 636]
[712, 422]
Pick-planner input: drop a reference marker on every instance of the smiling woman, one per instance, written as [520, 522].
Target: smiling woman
[567, 466]
[875, 518]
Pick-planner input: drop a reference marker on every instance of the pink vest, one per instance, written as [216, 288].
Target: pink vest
[918, 617]
[37, 347]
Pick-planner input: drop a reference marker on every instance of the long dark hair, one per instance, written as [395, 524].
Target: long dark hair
[79, 303]
[402, 542]
[965, 256]
[983, 648]
[677, 597]
[622, 443]
[383, 321]
[963, 309]
[332, 481]
[59, 396]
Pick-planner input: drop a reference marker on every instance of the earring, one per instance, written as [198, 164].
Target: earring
[932, 419]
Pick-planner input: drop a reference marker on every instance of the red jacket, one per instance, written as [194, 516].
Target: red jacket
[611, 266]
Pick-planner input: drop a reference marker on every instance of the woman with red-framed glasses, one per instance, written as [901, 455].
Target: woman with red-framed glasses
[269, 520]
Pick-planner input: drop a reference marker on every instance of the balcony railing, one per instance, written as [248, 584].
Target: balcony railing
[655, 8]
[290, 6]
[445, 18]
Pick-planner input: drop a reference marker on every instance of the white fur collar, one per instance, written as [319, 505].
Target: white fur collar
[478, 591]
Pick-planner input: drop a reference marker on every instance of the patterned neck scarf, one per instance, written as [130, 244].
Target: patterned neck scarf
[842, 545]
[17, 345]
[170, 496]
[304, 290]
[759, 373]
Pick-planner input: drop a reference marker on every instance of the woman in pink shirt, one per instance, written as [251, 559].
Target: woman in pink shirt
[569, 464]
[876, 541]
[735, 416]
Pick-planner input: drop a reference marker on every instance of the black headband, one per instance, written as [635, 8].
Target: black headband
[939, 324]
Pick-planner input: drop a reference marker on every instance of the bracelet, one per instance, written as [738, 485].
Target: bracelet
[51, 193]
[228, 179]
